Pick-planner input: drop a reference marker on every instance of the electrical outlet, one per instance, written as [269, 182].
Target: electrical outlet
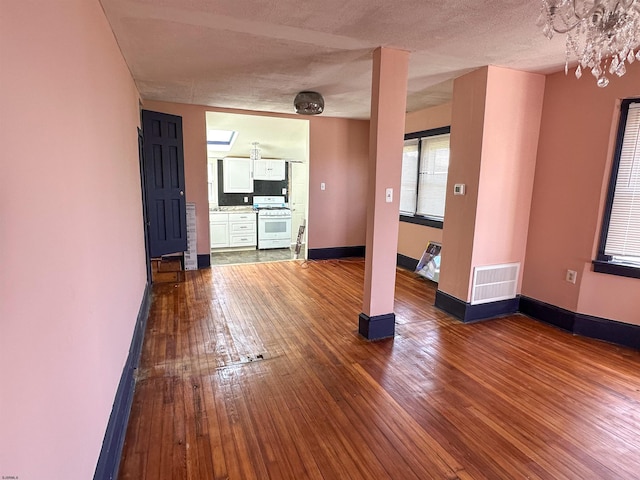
[571, 276]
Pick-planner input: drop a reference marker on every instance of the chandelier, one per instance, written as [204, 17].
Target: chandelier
[602, 34]
[308, 103]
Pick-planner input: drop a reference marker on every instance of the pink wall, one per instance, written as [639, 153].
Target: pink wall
[467, 121]
[494, 134]
[510, 139]
[412, 238]
[73, 272]
[339, 158]
[427, 118]
[573, 165]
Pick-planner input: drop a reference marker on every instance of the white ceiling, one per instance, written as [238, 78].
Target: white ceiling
[257, 55]
[286, 138]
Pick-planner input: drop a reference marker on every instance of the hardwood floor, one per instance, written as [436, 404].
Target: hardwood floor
[257, 372]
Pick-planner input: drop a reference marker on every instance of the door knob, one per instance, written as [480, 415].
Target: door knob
[181, 193]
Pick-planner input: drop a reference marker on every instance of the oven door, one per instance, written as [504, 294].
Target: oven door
[274, 228]
[274, 232]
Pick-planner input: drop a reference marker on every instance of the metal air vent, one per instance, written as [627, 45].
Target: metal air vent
[494, 282]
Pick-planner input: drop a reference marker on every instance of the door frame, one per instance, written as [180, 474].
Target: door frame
[145, 219]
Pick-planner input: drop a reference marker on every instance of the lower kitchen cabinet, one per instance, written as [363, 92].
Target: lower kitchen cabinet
[232, 229]
[242, 230]
[219, 229]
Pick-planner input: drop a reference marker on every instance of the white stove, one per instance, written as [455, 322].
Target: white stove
[272, 202]
[274, 222]
[274, 212]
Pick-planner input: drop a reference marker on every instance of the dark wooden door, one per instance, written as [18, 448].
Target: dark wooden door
[164, 182]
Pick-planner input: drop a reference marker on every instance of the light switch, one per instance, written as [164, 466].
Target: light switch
[322, 186]
[389, 195]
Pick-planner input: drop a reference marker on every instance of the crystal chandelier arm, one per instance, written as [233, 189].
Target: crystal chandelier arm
[596, 14]
[575, 10]
[553, 10]
[565, 30]
[628, 3]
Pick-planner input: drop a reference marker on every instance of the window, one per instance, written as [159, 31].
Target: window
[619, 251]
[425, 163]
[220, 140]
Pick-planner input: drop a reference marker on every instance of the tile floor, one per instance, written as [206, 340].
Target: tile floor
[253, 256]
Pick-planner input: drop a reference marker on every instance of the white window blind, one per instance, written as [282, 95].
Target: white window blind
[409, 185]
[432, 184]
[623, 237]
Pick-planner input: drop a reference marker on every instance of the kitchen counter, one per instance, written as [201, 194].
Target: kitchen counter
[232, 209]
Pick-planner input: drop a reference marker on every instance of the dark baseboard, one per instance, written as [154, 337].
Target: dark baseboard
[489, 310]
[472, 313]
[335, 252]
[377, 327]
[204, 260]
[407, 262]
[620, 333]
[608, 330]
[109, 459]
[451, 305]
[556, 316]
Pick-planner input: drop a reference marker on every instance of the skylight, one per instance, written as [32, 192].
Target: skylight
[220, 140]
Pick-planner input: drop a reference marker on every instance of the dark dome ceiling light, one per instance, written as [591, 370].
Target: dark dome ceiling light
[309, 103]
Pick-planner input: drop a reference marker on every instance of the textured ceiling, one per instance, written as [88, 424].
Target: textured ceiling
[257, 55]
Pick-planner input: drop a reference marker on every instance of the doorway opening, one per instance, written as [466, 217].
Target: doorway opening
[258, 187]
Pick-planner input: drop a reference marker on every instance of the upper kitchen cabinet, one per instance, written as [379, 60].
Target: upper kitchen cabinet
[237, 175]
[269, 169]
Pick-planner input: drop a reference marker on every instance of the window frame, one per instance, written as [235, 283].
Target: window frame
[424, 219]
[603, 262]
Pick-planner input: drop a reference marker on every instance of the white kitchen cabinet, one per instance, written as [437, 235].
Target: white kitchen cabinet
[242, 230]
[219, 229]
[233, 229]
[269, 170]
[237, 175]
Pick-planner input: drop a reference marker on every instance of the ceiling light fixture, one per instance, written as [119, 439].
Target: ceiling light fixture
[309, 103]
[254, 151]
[608, 31]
